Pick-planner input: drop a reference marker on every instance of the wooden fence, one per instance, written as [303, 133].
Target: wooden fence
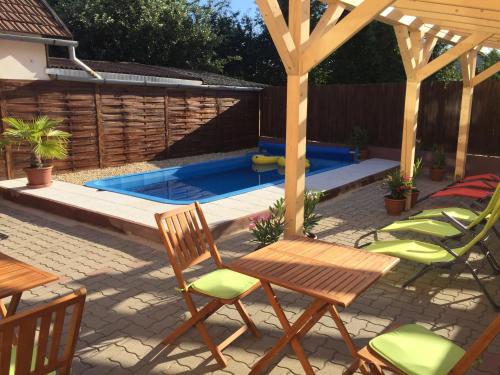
[117, 124]
[334, 110]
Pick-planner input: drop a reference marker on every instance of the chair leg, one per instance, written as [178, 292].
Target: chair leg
[246, 318]
[205, 312]
[422, 271]
[356, 365]
[375, 237]
[483, 288]
[216, 352]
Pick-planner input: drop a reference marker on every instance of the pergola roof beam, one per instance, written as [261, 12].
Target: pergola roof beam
[451, 55]
[280, 34]
[485, 74]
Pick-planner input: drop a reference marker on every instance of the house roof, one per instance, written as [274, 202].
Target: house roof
[153, 71]
[33, 17]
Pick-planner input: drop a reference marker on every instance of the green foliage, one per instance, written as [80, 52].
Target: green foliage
[311, 219]
[359, 138]
[438, 157]
[208, 35]
[46, 141]
[268, 228]
[417, 169]
[396, 184]
[487, 60]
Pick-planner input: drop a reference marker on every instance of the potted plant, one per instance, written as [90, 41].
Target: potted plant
[269, 227]
[311, 219]
[417, 168]
[438, 163]
[46, 143]
[395, 200]
[359, 142]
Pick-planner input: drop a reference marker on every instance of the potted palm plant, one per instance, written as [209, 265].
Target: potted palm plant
[46, 143]
[438, 163]
[395, 200]
[359, 142]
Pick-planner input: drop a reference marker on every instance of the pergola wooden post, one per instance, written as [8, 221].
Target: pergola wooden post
[470, 80]
[416, 48]
[300, 51]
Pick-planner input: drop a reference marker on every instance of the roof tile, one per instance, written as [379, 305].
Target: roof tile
[31, 17]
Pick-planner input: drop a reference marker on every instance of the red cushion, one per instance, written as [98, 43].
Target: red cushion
[486, 176]
[479, 184]
[462, 192]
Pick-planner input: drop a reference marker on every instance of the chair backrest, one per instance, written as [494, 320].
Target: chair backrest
[491, 205]
[38, 339]
[495, 213]
[477, 347]
[187, 238]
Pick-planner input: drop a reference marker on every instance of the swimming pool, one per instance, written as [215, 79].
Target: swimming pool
[212, 180]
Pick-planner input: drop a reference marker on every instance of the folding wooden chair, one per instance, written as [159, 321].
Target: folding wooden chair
[188, 241]
[33, 342]
[412, 349]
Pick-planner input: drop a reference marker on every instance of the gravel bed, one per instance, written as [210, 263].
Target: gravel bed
[81, 177]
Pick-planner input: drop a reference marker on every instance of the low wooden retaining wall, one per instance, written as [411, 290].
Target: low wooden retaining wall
[116, 124]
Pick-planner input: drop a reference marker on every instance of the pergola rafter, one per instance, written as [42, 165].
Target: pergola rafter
[418, 24]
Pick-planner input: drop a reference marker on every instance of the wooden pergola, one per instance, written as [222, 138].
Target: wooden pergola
[467, 25]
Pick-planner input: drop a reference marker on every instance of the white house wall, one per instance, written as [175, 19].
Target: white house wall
[22, 60]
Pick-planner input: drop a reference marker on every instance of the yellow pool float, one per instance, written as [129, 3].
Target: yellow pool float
[264, 160]
[281, 162]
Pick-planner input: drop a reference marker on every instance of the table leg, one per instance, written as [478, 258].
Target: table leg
[343, 331]
[292, 332]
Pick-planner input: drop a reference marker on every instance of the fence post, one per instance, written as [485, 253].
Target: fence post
[9, 168]
[100, 125]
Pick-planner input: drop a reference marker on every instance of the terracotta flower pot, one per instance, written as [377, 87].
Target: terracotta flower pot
[437, 174]
[394, 207]
[414, 197]
[363, 154]
[39, 177]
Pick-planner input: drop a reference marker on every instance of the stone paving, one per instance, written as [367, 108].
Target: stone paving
[132, 303]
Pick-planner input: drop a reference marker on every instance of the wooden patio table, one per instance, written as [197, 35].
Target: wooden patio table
[15, 278]
[331, 274]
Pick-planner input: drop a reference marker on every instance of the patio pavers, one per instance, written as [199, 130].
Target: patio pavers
[132, 303]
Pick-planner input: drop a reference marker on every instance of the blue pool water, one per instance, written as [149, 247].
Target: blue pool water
[209, 181]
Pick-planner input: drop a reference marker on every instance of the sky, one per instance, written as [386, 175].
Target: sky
[244, 5]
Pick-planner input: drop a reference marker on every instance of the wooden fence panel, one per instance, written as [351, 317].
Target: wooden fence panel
[335, 109]
[116, 124]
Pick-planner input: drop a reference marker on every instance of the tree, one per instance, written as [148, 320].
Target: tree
[157, 32]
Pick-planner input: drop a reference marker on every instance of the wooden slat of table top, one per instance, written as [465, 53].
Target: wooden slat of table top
[334, 273]
[17, 276]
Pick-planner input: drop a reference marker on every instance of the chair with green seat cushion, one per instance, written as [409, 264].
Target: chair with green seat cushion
[13, 355]
[417, 351]
[439, 255]
[224, 283]
[28, 338]
[188, 242]
[414, 350]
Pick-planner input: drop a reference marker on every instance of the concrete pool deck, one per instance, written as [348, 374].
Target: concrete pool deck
[133, 215]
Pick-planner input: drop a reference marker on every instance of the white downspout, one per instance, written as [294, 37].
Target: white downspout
[81, 64]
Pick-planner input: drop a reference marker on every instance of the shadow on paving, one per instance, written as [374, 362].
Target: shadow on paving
[132, 304]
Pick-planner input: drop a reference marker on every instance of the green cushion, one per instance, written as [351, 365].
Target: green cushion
[461, 214]
[423, 226]
[223, 283]
[417, 251]
[13, 355]
[417, 351]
